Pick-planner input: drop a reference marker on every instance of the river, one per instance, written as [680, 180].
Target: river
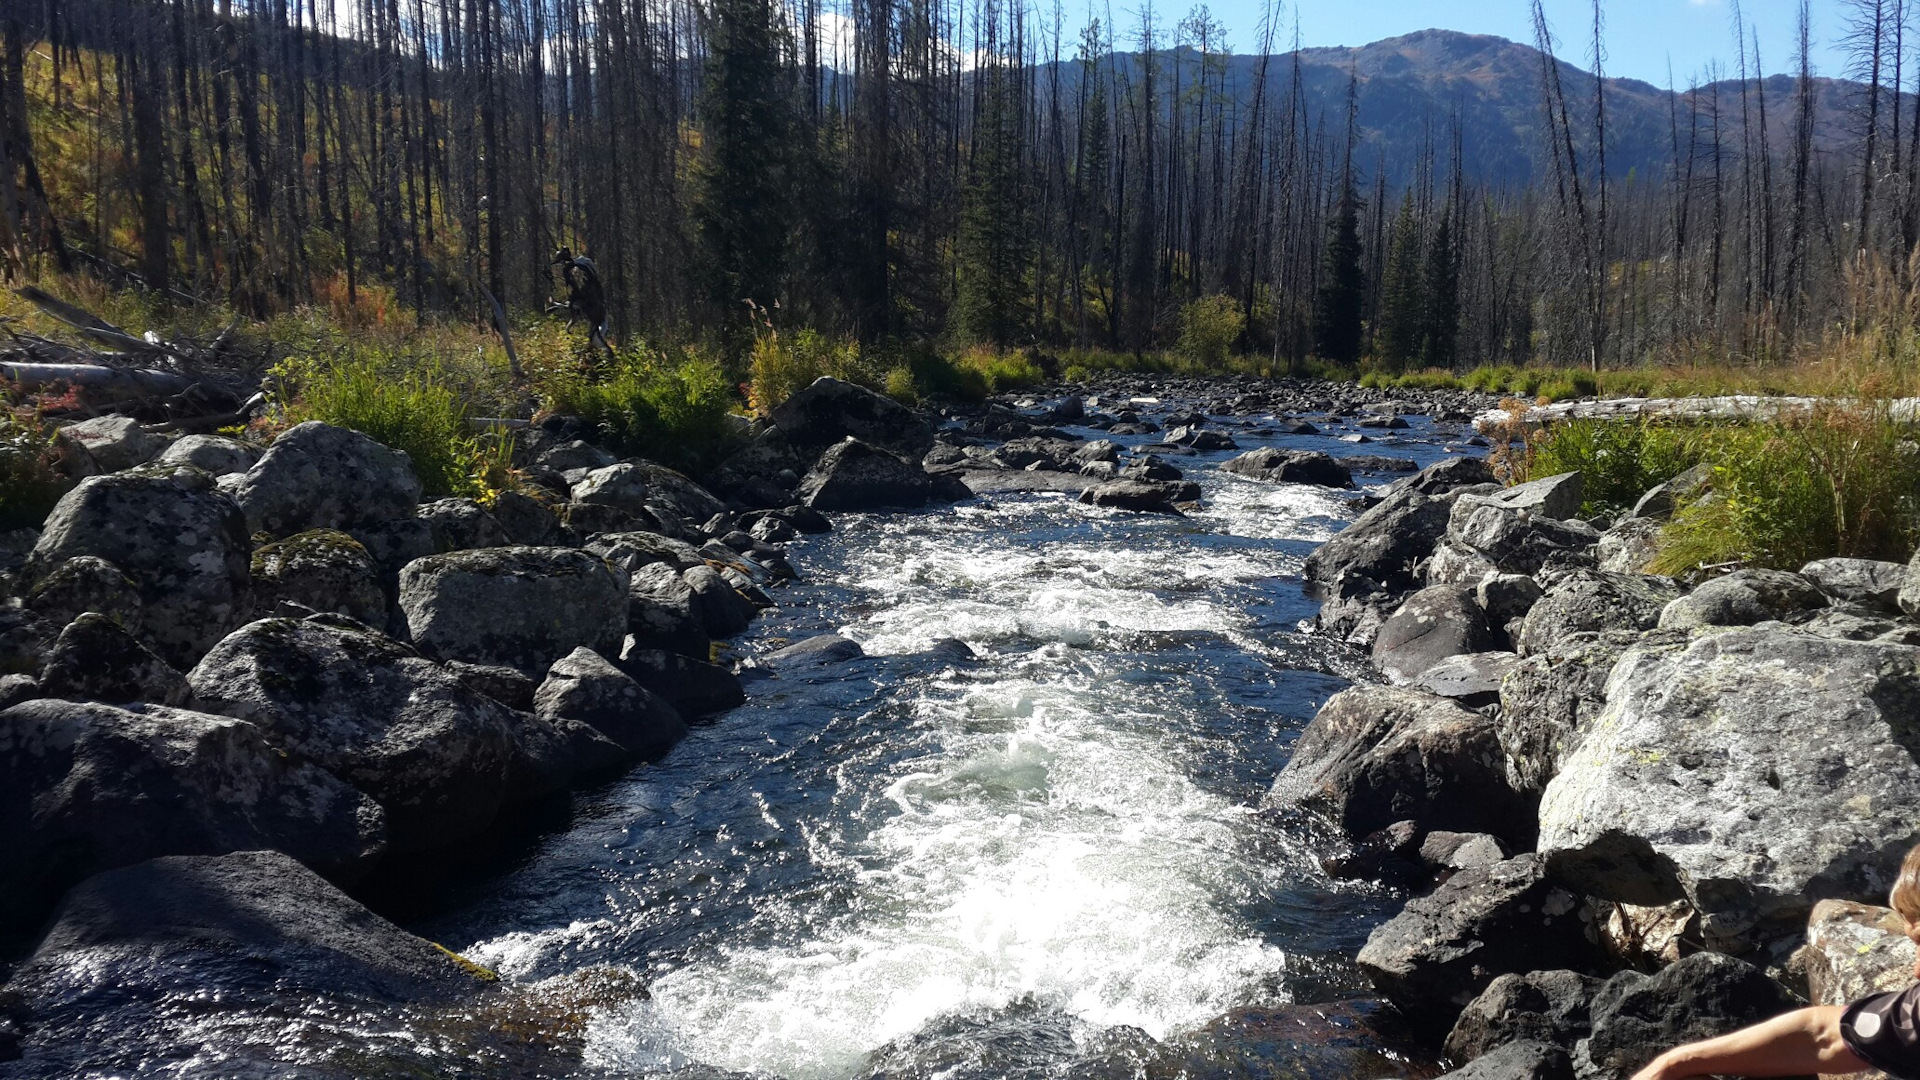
[979, 868]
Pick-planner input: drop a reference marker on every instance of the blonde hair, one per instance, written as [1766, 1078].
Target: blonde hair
[1905, 897]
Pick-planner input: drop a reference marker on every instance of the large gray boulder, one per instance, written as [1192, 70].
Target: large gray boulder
[1545, 1006]
[216, 455]
[1549, 699]
[86, 583]
[1433, 624]
[86, 787]
[1142, 496]
[1630, 546]
[1556, 497]
[112, 443]
[1472, 679]
[440, 758]
[1743, 598]
[1445, 476]
[715, 604]
[1637, 1016]
[1445, 948]
[1527, 1059]
[1594, 600]
[462, 524]
[523, 607]
[1383, 545]
[622, 486]
[661, 615]
[319, 570]
[132, 962]
[583, 686]
[1375, 755]
[182, 542]
[316, 476]
[1290, 467]
[1869, 583]
[96, 659]
[828, 411]
[1748, 773]
[1855, 950]
[1513, 540]
[854, 475]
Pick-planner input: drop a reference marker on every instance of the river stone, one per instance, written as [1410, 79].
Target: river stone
[1445, 948]
[1548, 701]
[1629, 547]
[1556, 497]
[823, 650]
[85, 787]
[853, 475]
[142, 949]
[524, 519]
[1749, 773]
[320, 570]
[1636, 1016]
[1374, 755]
[1743, 598]
[694, 687]
[1290, 467]
[183, 543]
[622, 486]
[1143, 496]
[824, 413]
[112, 443]
[437, 756]
[1361, 574]
[1867, 582]
[1513, 541]
[95, 659]
[660, 613]
[632, 550]
[1856, 950]
[461, 524]
[1593, 600]
[1545, 1006]
[215, 455]
[1327, 1041]
[524, 607]
[86, 583]
[1663, 499]
[1527, 1059]
[1435, 623]
[715, 604]
[582, 686]
[316, 476]
[1472, 679]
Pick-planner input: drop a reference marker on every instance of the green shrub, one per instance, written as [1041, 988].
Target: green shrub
[1618, 460]
[645, 404]
[409, 410]
[1209, 327]
[1566, 385]
[782, 364]
[997, 373]
[30, 478]
[901, 385]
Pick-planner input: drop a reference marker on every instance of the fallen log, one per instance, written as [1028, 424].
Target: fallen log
[131, 382]
[85, 321]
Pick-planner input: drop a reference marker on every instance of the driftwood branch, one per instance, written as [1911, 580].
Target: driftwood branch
[83, 320]
[130, 382]
[201, 424]
[506, 336]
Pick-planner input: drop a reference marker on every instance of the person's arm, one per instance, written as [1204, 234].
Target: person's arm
[1795, 1044]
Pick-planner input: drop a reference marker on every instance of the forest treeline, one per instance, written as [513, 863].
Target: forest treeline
[931, 171]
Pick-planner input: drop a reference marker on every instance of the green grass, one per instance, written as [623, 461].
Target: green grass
[1619, 460]
[645, 403]
[30, 479]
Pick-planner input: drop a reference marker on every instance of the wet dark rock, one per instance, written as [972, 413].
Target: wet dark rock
[86, 787]
[316, 476]
[1144, 496]
[86, 583]
[215, 455]
[181, 542]
[1431, 625]
[821, 651]
[505, 685]
[715, 604]
[1747, 773]
[1374, 755]
[1593, 600]
[1151, 467]
[462, 524]
[95, 659]
[1543, 1006]
[524, 519]
[1743, 598]
[1390, 855]
[436, 755]
[1290, 467]
[524, 607]
[1527, 1059]
[584, 687]
[1332, 1041]
[1548, 701]
[1445, 948]
[661, 615]
[1362, 573]
[828, 411]
[320, 570]
[1637, 1016]
[693, 686]
[853, 475]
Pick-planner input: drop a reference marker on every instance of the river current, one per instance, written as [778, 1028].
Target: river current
[992, 864]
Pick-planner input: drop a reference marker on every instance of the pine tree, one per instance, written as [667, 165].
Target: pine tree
[1442, 330]
[1398, 342]
[1343, 285]
[743, 209]
[995, 244]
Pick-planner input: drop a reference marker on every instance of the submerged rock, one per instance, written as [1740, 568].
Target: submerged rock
[1290, 467]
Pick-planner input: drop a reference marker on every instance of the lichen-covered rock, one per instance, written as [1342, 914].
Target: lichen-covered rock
[1374, 755]
[319, 570]
[519, 606]
[583, 687]
[1629, 547]
[215, 455]
[676, 494]
[1431, 625]
[1869, 583]
[1290, 467]
[853, 475]
[632, 550]
[1592, 600]
[1445, 948]
[1855, 950]
[1548, 700]
[85, 787]
[95, 659]
[1383, 545]
[660, 613]
[1513, 541]
[824, 413]
[694, 687]
[1636, 1016]
[1546, 1006]
[1142, 496]
[525, 520]
[316, 476]
[437, 756]
[181, 541]
[461, 525]
[1748, 773]
[1557, 497]
[86, 583]
[113, 443]
[1743, 598]
[621, 486]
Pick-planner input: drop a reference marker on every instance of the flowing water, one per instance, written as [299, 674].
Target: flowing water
[996, 862]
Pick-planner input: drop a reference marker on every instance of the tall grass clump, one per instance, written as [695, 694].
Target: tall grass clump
[648, 404]
[1618, 460]
[30, 477]
[410, 410]
[781, 365]
[984, 372]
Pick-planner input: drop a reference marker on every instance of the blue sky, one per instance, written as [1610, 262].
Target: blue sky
[1642, 36]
